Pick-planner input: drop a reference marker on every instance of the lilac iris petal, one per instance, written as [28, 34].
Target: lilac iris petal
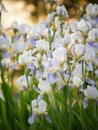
[36, 89]
[51, 78]
[85, 17]
[92, 44]
[39, 98]
[32, 68]
[32, 118]
[29, 66]
[84, 50]
[5, 54]
[67, 39]
[7, 40]
[17, 38]
[42, 67]
[48, 118]
[65, 75]
[14, 66]
[89, 66]
[89, 81]
[95, 18]
[3, 34]
[33, 41]
[85, 103]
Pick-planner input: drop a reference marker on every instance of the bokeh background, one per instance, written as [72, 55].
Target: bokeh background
[32, 11]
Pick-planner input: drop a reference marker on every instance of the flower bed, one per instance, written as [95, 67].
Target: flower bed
[58, 66]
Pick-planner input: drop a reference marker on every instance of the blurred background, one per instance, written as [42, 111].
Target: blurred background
[32, 11]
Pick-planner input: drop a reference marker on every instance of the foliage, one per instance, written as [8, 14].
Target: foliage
[58, 65]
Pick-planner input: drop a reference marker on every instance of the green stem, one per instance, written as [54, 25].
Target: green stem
[61, 24]
[69, 70]
[51, 39]
[27, 80]
[25, 37]
[69, 64]
[82, 68]
[55, 100]
[94, 72]
[0, 18]
[1, 68]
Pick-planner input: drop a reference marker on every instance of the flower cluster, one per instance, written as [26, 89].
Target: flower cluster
[55, 54]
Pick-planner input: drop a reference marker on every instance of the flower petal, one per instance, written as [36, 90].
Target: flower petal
[85, 103]
[48, 118]
[89, 81]
[31, 119]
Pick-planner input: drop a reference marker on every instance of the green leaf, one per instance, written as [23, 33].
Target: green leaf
[4, 117]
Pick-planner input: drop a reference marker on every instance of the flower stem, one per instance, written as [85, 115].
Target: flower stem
[94, 72]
